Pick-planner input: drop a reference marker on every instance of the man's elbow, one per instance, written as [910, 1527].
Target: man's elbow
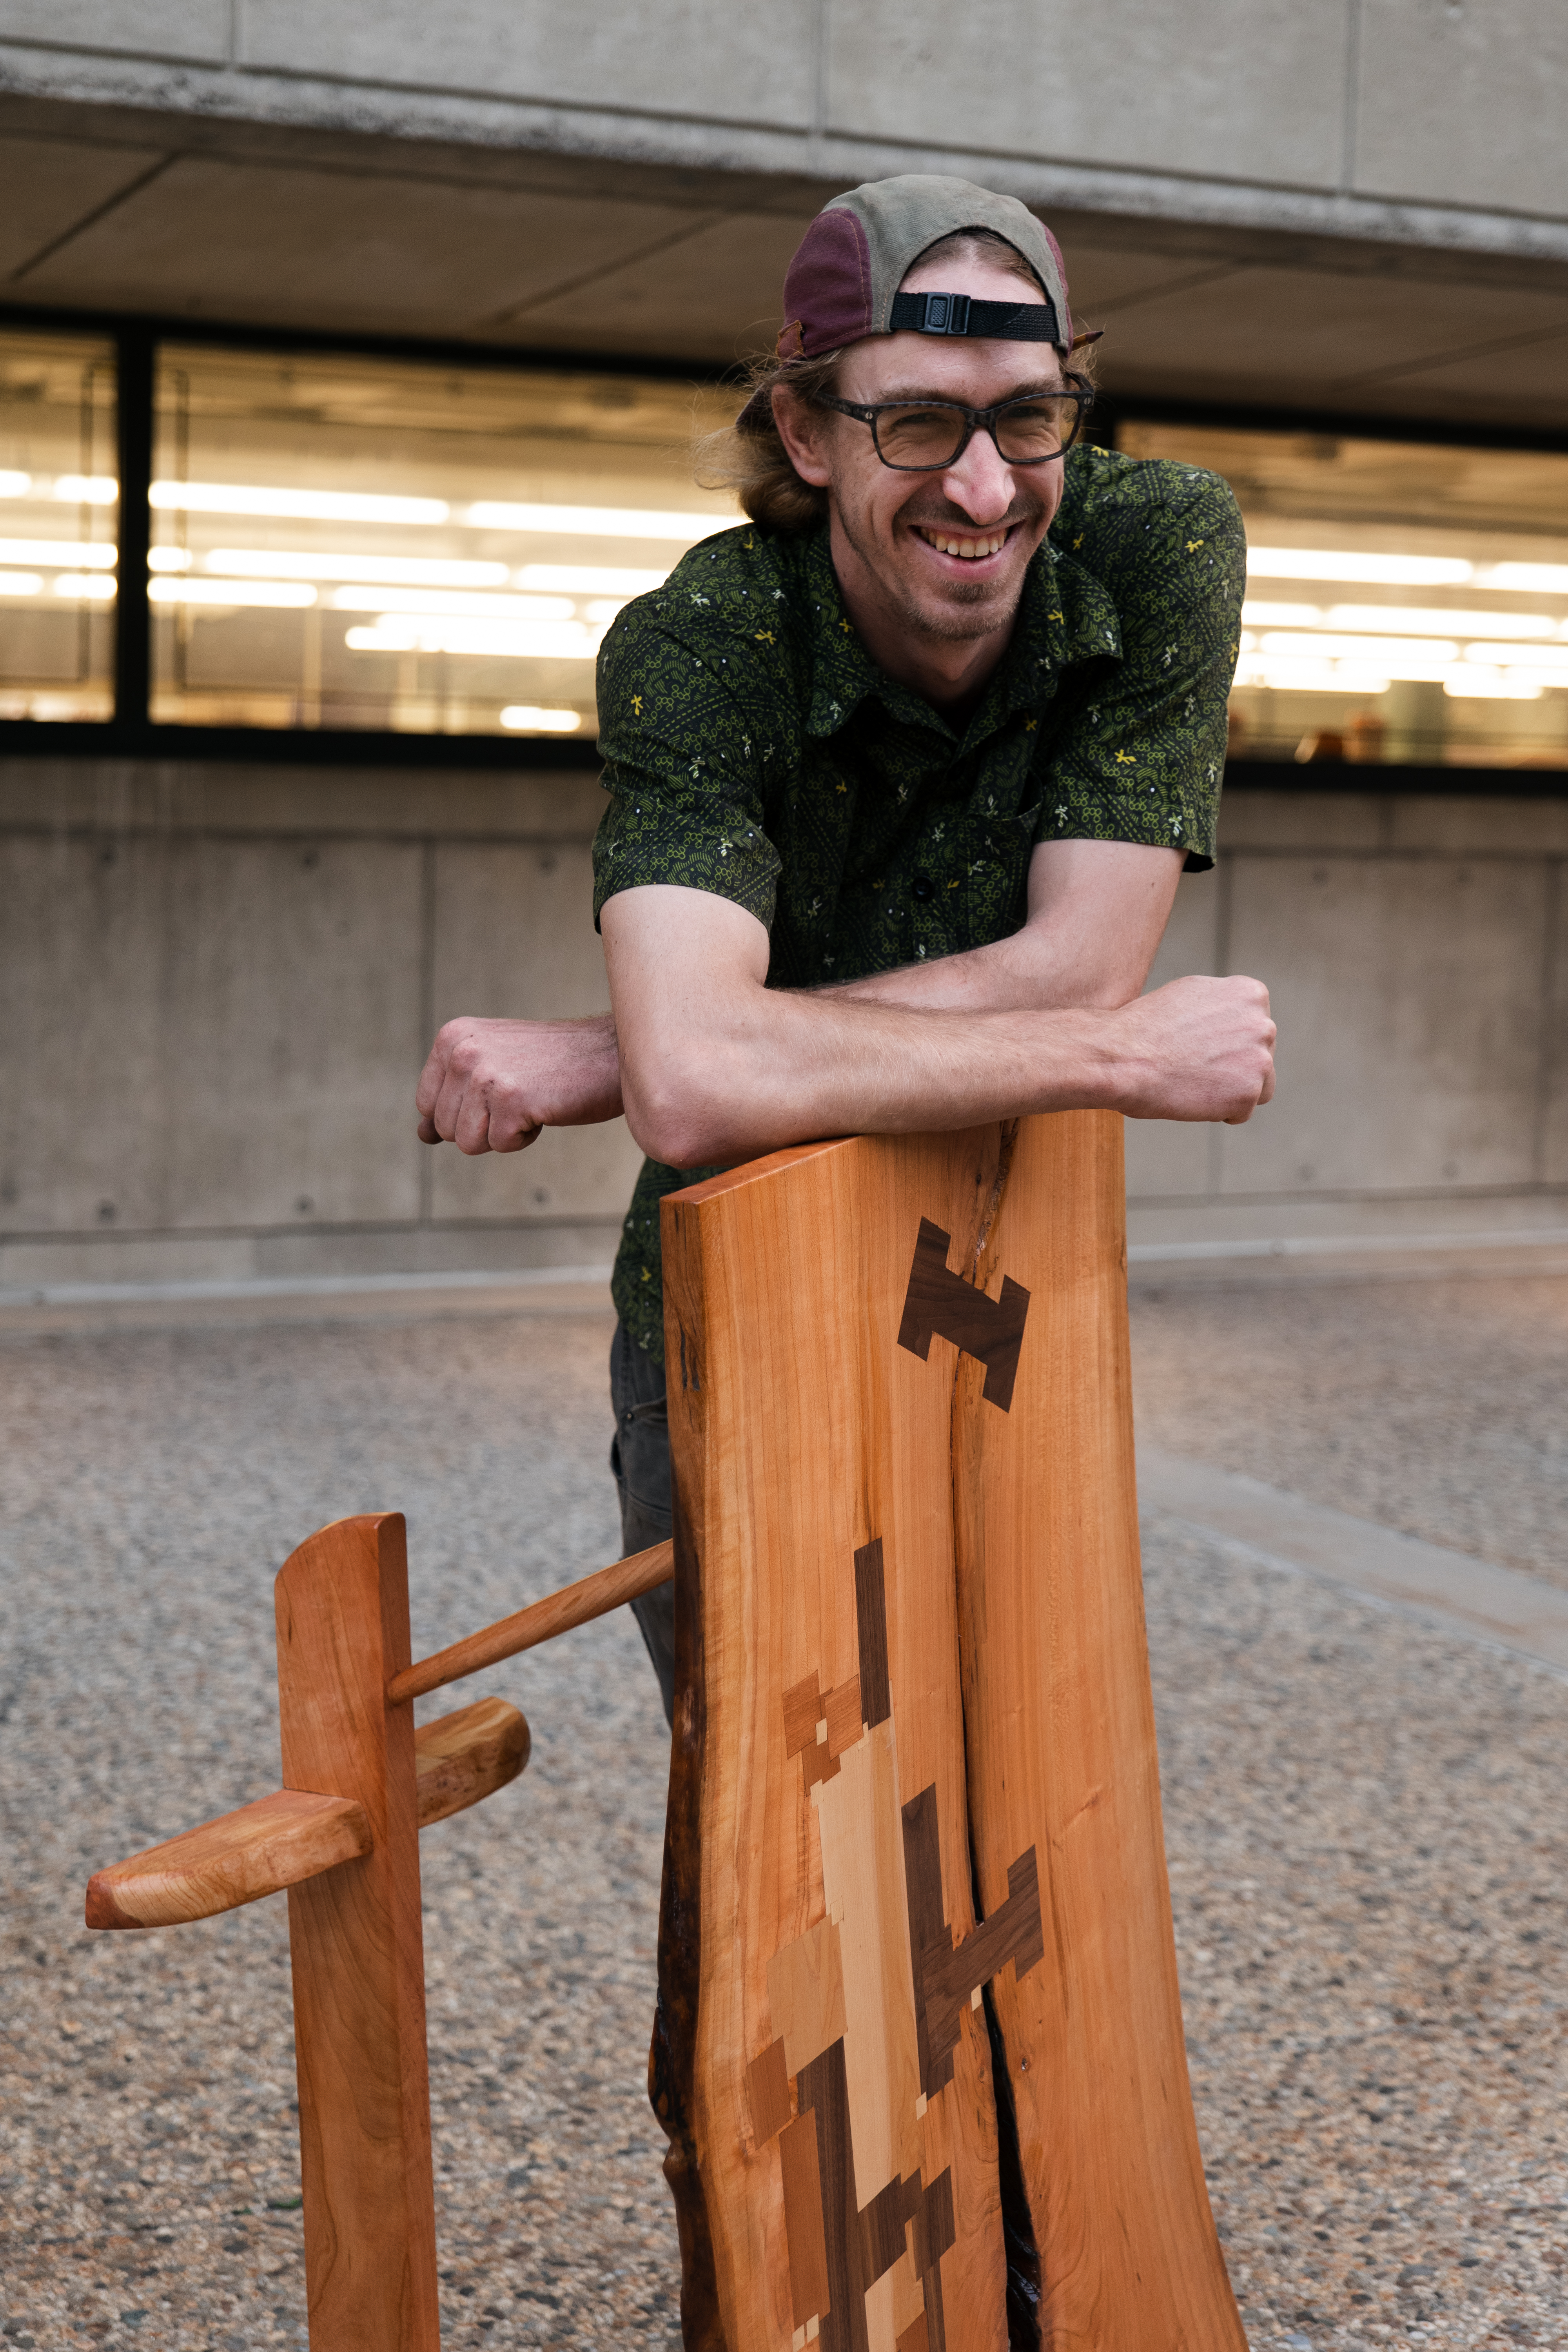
[674, 1110]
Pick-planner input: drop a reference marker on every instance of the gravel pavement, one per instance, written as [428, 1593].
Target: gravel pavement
[1366, 1826]
[1432, 1406]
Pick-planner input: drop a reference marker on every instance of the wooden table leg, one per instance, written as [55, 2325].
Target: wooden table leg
[356, 1947]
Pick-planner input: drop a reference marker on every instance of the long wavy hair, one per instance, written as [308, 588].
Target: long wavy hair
[755, 463]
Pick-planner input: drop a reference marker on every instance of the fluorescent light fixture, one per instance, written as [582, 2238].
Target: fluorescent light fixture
[1312, 677]
[1280, 617]
[14, 484]
[1530, 579]
[294, 505]
[1490, 685]
[598, 523]
[589, 578]
[603, 610]
[1408, 657]
[230, 594]
[415, 570]
[1412, 620]
[54, 554]
[438, 601]
[168, 558]
[86, 490]
[1553, 658]
[20, 584]
[86, 587]
[1381, 571]
[490, 640]
[531, 720]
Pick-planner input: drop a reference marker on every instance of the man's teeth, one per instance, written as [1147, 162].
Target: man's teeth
[967, 547]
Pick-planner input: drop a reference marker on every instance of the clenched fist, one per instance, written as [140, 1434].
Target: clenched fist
[1196, 1049]
[493, 1086]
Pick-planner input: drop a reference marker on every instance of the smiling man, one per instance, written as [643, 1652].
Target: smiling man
[902, 774]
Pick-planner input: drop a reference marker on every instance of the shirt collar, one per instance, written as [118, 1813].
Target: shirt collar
[1065, 615]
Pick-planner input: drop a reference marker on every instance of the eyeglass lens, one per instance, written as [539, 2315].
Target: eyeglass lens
[932, 432]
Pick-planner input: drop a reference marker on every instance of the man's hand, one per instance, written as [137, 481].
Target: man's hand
[492, 1085]
[1196, 1049]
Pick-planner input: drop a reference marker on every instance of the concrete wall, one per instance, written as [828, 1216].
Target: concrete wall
[1304, 202]
[1368, 102]
[220, 983]
[1417, 960]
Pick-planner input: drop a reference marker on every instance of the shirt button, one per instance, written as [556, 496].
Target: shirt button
[924, 887]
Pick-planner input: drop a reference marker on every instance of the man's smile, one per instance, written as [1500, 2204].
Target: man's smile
[970, 548]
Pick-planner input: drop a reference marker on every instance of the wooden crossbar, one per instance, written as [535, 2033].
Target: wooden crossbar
[294, 1834]
[578, 1604]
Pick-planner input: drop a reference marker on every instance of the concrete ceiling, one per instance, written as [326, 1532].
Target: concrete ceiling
[117, 210]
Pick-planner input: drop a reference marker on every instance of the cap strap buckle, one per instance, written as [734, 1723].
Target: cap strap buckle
[957, 314]
[945, 314]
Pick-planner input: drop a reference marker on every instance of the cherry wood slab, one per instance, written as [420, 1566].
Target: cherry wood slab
[919, 2047]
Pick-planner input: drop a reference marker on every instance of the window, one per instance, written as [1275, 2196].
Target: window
[351, 542]
[58, 510]
[1406, 604]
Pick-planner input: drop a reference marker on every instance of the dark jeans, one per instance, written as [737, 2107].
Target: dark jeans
[639, 1456]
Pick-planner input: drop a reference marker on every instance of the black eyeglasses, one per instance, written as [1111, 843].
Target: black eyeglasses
[917, 436]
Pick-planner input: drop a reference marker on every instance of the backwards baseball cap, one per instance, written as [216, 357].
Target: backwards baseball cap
[843, 283]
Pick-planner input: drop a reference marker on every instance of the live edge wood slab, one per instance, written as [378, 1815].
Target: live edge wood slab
[918, 2040]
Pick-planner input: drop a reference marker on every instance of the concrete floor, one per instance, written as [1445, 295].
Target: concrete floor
[1365, 1820]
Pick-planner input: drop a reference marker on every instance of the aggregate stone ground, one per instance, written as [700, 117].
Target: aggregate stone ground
[1434, 1407]
[1366, 1826]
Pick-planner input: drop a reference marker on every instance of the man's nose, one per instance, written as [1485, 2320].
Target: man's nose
[980, 481]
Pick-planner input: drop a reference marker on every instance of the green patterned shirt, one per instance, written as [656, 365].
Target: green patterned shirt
[753, 749]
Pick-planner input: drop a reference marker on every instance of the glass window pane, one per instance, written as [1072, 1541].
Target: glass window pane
[1405, 604]
[58, 513]
[356, 542]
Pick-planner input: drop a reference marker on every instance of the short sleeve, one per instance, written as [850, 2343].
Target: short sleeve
[1143, 758]
[684, 765]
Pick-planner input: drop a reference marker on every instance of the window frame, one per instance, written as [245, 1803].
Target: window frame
[131, 733]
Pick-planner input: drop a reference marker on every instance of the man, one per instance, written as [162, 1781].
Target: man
[903, 775]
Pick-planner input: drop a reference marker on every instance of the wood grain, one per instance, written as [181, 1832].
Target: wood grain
[466, 1755]
[259, 1850]
[901, 1447]
[1062, 1759]
[292, 1835]
[542, 1621]
[356, 1947]
[785, 1287]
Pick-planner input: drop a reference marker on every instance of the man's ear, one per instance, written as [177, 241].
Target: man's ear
[802, 430]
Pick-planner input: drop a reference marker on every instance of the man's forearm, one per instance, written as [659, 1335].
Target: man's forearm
[783, 1070]
[1001, 977]
[1096, 913]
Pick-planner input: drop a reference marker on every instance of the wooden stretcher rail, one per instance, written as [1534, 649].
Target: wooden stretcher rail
[294, 1834]
[579, 1604]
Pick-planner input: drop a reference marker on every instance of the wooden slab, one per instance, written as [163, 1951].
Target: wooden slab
[910, 1672]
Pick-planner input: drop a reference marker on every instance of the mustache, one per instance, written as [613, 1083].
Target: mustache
[958, 525]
